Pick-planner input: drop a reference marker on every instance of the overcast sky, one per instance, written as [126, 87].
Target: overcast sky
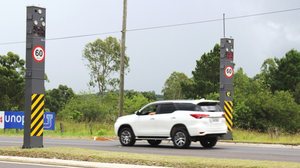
[154, 54]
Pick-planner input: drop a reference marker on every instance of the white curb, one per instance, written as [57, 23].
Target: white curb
[70, 162]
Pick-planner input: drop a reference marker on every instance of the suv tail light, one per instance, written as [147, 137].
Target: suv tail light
[199, 116]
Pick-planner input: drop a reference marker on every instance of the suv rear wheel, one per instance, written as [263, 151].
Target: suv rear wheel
[154, 142]
[209, 142]
[126, 137]
[181, 138]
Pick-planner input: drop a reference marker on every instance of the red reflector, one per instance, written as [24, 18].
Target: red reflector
[199, 115]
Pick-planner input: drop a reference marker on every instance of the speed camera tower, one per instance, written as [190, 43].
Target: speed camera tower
[226, 82]
[35, 75]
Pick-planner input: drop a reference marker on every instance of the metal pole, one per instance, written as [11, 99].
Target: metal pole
[121, 99]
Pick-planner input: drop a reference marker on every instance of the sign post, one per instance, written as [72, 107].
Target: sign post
[35, 75]
[226, 83]
[1, 119]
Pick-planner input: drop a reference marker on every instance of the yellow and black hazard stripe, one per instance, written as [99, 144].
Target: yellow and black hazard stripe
[37, 114]
[228, 108]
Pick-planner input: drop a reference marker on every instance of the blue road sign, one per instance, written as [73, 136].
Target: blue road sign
[15, 119]
[49, 121]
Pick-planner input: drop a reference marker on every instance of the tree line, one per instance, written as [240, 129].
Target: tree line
[269, 100]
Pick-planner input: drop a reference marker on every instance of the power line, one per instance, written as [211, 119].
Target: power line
[65, 37]
[174, 25]
[13, 42]
[214, 20]
[162, 26]
[84, 35]
[265, 13]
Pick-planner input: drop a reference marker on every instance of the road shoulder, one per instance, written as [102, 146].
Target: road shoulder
[259, 145]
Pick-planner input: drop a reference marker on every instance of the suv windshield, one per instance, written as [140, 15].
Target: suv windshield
[209, 107]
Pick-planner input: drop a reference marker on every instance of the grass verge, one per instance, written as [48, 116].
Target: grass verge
[71, 129]
[247, 136]
[68, 153]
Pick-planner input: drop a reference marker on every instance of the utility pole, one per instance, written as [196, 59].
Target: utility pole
[121, 99]
[223, 25]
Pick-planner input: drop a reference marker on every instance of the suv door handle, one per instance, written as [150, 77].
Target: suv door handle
[173, 118]
[151, 118]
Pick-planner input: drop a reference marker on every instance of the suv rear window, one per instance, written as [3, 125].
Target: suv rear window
[209, 107]
[166, 108]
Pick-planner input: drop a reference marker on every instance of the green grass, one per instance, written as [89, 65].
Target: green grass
[71, 129]
[85, 130]
[141, 159]
[256, 137]
[75, 129]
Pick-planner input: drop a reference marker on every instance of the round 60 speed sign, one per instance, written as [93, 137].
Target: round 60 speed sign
[228, 71]
[38, 53]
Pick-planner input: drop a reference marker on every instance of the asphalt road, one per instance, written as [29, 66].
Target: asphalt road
[222, 150]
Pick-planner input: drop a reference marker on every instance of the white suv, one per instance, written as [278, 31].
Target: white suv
[182, 121]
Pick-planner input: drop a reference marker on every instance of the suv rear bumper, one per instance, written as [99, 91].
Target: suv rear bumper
[203, 130]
